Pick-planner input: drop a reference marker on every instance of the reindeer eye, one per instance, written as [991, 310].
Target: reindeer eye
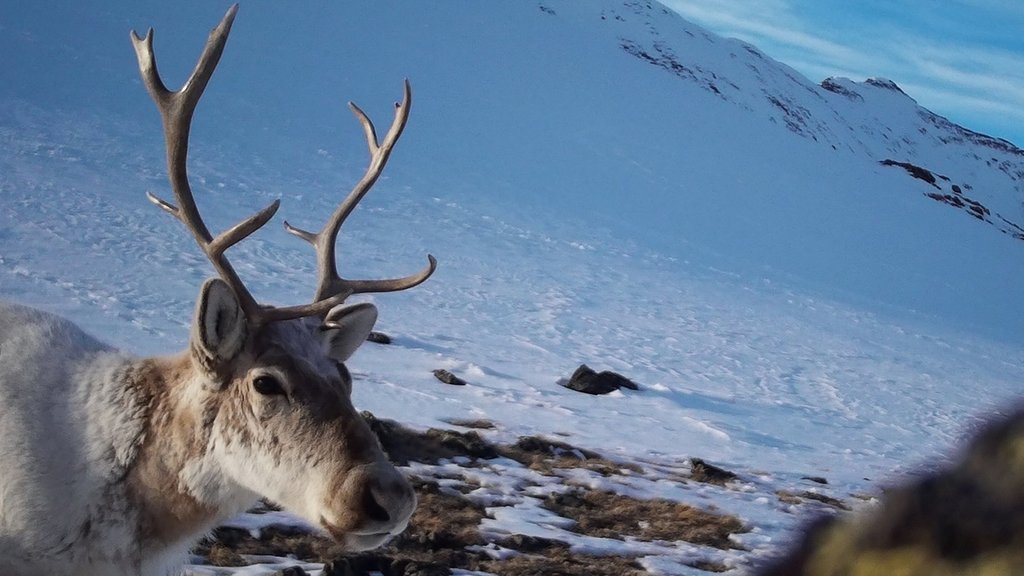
[267, 385]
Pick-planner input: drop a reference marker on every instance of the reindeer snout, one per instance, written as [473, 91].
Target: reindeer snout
[390, 500]
[372, 502]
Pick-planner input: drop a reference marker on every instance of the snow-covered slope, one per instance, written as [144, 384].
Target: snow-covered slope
[621, 114]
[602, 182]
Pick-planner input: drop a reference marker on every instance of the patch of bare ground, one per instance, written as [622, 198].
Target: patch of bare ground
[788, 497]
[535, 452]
[544, 455]
[559, 561]
[435, 542]
[444, 533]
[608, 515]
[404, 445]
[445, 525]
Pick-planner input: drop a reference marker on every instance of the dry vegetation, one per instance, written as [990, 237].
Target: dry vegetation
[442, 528]
[608, 515]
[801, 497]
[444, 533]
[967, 519]
[545, 455]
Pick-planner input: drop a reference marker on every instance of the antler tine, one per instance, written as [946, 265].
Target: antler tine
[330, 284]
[176, 111]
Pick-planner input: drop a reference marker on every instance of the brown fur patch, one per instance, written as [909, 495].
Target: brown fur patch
[171, 437]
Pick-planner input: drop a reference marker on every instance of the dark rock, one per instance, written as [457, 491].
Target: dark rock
[586, 380]
[915, 171]
[291, 571]
[884, 83]
[701, 471]
[815, 479]
[832, 85]
[448, 378]
[379, 338]
[619, 380]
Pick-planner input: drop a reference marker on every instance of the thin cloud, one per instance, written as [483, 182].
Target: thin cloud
[953, 76]
[754, 22]
[989, 111]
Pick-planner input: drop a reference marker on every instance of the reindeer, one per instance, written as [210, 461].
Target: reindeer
[111, 464]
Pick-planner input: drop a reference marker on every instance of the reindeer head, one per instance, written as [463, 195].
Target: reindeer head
[270, 385]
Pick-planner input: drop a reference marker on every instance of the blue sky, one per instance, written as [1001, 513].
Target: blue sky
[963, 59]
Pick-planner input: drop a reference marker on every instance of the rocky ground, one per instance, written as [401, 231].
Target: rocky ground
[967, 518]
[470, 491]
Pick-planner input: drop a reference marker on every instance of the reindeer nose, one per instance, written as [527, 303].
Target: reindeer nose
[389, 499]
[371, 504]
[371, 499]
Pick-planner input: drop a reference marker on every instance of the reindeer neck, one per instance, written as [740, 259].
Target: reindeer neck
[174, 481]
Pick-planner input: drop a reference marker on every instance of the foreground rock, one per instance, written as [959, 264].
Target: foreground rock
[967, 519]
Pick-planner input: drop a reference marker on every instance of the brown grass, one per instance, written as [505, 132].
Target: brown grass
[799, 498]
[609, 515]
[446, 523]
[560, 562]
[226, 545]
[442, 520]
[404, 445]
[544, 455]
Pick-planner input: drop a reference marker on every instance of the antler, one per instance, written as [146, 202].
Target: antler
[330, 283]
[176, 111]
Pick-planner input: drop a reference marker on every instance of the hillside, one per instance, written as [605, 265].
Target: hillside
[621, 115]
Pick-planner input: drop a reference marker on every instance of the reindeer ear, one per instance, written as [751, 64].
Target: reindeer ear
[346, 327]
[219, 328]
